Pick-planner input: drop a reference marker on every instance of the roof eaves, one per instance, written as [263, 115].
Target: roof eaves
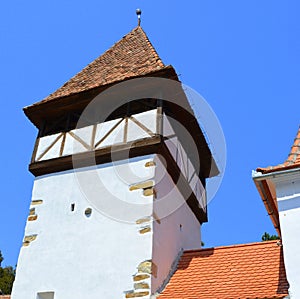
[165, 68]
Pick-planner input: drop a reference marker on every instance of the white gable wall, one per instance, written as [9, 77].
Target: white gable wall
[76, 256]
[288, 199]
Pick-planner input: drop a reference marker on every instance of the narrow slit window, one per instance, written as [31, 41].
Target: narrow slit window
[72, 207]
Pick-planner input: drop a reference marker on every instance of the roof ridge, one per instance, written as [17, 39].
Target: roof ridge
[150, 45]
[110, 50]
[292, 160]
[232, 246]
[296, 145]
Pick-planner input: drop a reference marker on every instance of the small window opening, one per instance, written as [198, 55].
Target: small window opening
[72, 207]
[180, 227]
[45, 295]
[88, 212]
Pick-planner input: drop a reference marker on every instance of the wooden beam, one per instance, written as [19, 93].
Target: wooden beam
[182, 184]
[36, 145]
[141, 147]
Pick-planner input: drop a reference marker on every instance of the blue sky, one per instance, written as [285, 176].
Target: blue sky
[242, 56]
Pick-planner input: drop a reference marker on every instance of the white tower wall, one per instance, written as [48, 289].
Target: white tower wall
[177, 228]
[116, 251]
[76, 256]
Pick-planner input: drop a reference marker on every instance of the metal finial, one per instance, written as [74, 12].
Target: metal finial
[138, 13]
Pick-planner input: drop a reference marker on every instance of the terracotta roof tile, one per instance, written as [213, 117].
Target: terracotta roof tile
[4, 296]
[132, 56]
[293, 160]
[242, 271]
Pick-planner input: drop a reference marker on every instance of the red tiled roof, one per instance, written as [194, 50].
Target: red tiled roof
[132, 56]
[293, 160]
[233, 272]
[4, 296]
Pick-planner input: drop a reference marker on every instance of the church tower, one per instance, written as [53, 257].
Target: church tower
[120, 165]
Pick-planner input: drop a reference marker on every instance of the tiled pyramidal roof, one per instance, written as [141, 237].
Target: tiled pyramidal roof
[132, 56]
[293, 160]
[242, 271]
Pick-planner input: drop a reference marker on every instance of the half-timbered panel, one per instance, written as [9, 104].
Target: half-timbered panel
[110, 132]
[48, 147]
[97, 136]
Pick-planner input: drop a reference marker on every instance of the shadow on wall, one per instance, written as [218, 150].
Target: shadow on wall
[282, 284]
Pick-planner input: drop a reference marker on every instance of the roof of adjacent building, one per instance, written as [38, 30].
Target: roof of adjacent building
[132, 56]
[293, 160]
[4, 296]
[249, 271]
